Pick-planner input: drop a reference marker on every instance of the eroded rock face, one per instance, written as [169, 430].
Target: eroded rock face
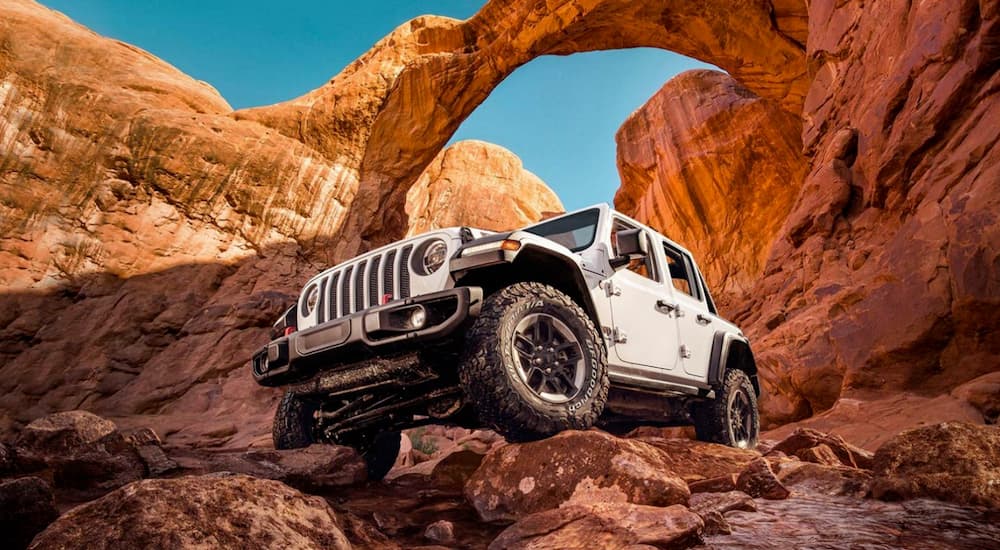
[172, 513]
[877, 275]
[884, 278]
[520, 479]
[716, 168]
[953, 462]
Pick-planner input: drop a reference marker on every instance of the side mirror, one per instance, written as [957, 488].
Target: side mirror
[630, 244]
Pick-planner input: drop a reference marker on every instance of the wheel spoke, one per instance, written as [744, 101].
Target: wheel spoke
[536, 379]
[523, 344]
[563, 376]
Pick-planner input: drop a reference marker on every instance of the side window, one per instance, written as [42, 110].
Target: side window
[708, 297]
[680, 272]
[645, 267]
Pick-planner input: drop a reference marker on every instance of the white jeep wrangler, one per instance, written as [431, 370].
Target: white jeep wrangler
[589, 318]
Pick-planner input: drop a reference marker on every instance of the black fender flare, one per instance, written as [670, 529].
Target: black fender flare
[727, 347]
[535, 262]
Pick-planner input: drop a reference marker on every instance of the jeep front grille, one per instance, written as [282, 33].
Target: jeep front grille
[363, 284]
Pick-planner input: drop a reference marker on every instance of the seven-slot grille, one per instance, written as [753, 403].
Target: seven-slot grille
[363, 284]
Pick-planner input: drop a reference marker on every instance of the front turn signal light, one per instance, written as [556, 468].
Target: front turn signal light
[511, 245]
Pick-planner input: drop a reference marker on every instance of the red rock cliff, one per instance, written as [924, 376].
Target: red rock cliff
[883, 277]
[716, 168]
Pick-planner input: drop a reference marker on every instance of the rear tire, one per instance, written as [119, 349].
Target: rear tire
[533, 364]
[293, 422]
[731, 418]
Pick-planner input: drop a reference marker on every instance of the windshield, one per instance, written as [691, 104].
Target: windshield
[576, 232]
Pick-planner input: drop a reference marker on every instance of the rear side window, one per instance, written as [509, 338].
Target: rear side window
[708, 297]
[681, 272]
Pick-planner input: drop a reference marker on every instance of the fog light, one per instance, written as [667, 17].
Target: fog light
[418, 316]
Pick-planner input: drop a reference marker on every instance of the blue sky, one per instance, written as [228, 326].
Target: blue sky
[559, 114]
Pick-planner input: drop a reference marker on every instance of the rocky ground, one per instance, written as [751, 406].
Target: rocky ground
[74, 480]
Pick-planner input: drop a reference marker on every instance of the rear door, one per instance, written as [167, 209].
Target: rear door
[645, 335]
[694, 321]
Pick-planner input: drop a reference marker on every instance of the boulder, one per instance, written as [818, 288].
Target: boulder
[64, 433]
[516, 480]
[26, 508]
[820, 454]
[758, 480]
[84, 452]
[317, 466]
[983, 393]
[827, 479]
[696, 460]
[954, 462]
[148, 445]
[712, 508]
[442, 532]
[213, 511]
[804, 443]
[715, 524]
[605, 525]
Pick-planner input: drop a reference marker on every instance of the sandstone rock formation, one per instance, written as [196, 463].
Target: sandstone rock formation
[123, 178]
[715, 168]
[882, 276]
[390, 112]
[228, 511]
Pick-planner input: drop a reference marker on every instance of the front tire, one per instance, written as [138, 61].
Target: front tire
[293, 422]
[731, 418]
[533, 364]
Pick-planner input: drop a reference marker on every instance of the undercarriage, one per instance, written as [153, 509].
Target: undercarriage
[386, 394]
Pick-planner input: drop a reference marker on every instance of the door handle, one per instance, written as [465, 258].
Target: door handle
[667, 307]
[703, 320]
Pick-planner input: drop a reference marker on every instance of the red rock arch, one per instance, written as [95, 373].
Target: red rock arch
[393, 109]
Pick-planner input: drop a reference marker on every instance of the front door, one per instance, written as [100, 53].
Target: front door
[645, 335]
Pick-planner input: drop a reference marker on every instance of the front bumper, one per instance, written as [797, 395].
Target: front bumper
[365, 334]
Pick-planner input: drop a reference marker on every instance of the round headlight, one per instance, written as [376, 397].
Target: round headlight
[435, 255]
[312, 297]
